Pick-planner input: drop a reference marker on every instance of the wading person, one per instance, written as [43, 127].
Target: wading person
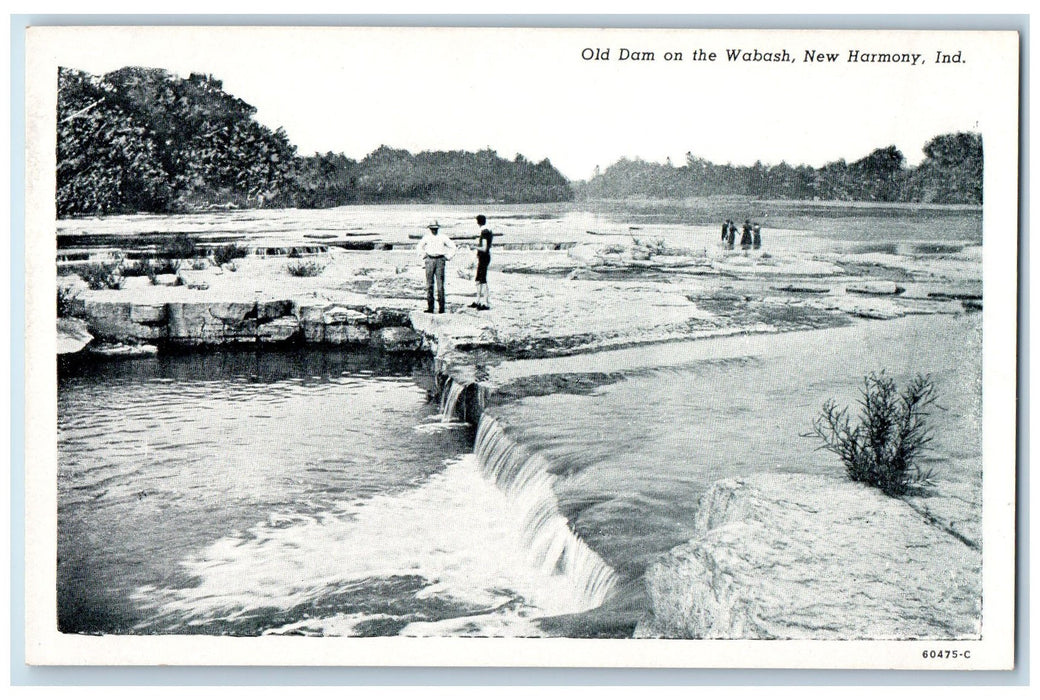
[745, 235]
[483, 302]
[756, 239]
[731, 236]
[435, 250]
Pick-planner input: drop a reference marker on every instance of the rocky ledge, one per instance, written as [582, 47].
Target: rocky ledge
[214, 322]
[795, 556]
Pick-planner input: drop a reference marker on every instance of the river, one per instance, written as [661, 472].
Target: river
[321, 492]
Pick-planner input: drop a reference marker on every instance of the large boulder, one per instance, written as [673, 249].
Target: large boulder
[795, 556]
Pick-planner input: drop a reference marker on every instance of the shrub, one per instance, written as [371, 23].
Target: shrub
[136, 268]
[101, 275]
[66, 301]
[653, 247]
[150, 269]
[180, 247]
[882, 450]
[226, 253]
[311, 268]
[164, 266]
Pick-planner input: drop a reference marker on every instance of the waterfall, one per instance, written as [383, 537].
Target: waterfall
[551, 545]
[450, 395]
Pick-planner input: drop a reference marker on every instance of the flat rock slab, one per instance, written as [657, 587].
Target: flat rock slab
[73, 335]
[120, 350]
[880, 287]
[792, 556]
[804, 288]
[969, 295]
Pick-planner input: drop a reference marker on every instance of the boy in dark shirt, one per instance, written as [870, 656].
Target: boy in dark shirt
[483, 302]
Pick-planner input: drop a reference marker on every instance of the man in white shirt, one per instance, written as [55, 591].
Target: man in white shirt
[434, 250]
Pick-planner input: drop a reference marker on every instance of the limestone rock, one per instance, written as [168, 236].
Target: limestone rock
[135, 282]
[123, 350]
[381, 317]
[278, 330]
[340, 314]
[346, 334]
[398, 339]
[875, 287]
[271, 309]
[399, 287]
[73, 335]
[312, 313]
[196, 323]
[116, 321]
[194, 279]
[148, 313]
[804, 288]
[792, 556]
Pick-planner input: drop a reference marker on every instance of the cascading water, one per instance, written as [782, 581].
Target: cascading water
[450, 395]
[552, 546]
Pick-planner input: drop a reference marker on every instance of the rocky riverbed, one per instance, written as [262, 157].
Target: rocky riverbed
[775, 556]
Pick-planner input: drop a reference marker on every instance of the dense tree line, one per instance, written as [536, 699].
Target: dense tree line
[394, 175]
[951, 173]
[143, 140]
[140, 139]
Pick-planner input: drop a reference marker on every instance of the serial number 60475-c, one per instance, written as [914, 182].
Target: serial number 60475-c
[946, 654]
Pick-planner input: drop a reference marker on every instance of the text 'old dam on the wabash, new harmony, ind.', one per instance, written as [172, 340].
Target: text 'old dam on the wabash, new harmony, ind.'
[755, 55]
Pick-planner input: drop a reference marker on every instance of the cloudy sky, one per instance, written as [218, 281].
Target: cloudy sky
[531, 92]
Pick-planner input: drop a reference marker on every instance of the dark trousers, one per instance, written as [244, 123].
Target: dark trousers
[435, 271]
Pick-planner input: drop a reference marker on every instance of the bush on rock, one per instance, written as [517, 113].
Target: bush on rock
[883, 449]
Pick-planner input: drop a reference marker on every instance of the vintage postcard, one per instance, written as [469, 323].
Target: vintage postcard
[521, 347]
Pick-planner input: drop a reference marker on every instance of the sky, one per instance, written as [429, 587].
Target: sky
[531, 91]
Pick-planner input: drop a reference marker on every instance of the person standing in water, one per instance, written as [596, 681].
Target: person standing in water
[745, 235]
[435, 250]
[756, 240]
[483, 302]
[731, 235]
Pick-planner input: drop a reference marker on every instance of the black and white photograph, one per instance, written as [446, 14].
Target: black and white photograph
[521, 346]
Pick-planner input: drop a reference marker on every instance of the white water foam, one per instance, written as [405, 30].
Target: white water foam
[551, 545]
[467, 539]
[450, 395]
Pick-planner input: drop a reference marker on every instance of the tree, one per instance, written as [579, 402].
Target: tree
[951, 171]
[141, 139]
[107, 161]
[879, 176]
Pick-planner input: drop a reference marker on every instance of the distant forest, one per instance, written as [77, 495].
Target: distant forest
[951, 173]
[144, 140]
